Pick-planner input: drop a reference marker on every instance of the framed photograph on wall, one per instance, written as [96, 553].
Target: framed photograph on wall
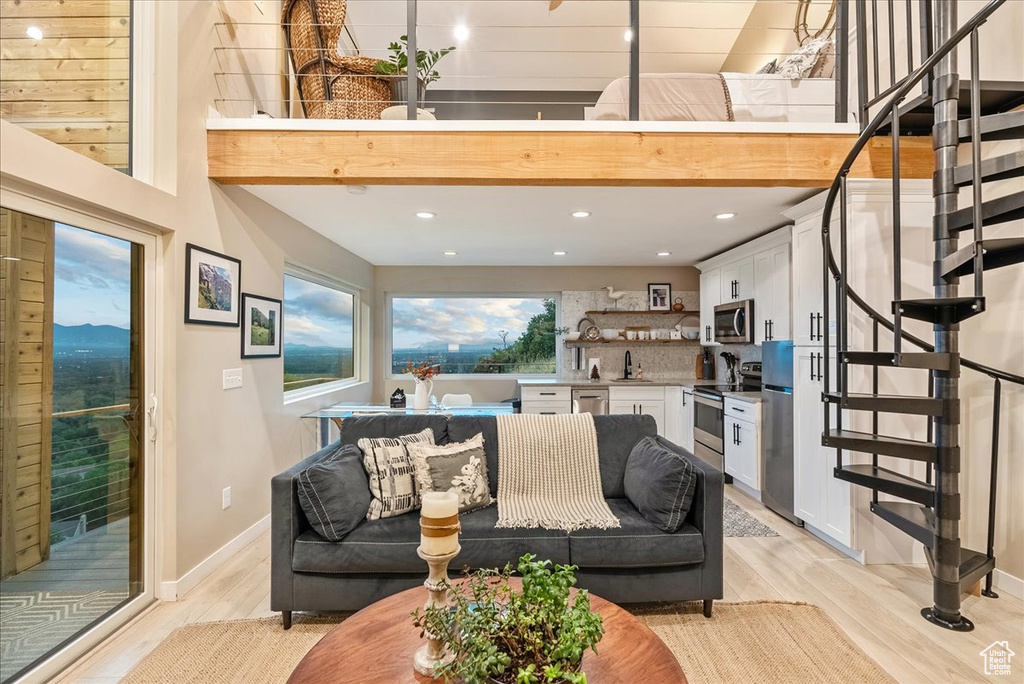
[659, 297]
[212, 285]
[261, 327]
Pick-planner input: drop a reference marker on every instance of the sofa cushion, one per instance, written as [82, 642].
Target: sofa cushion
[389, 546]
[392, 479]
[335, 493]
[457, 466]
[616, 437]
[636, 544]
[371, 427]
[660, 483]
[461, 428]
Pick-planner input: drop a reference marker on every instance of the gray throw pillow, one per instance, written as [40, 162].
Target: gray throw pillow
[459, 468]
[334, 493]
[660, 483]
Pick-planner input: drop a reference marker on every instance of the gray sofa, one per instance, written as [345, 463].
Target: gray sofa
[637, 563]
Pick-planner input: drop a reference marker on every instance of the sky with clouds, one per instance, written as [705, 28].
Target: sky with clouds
[92, 278]
[315, 315]
[439, 322]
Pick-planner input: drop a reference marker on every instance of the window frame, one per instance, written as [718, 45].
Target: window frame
[317, 278]
[389, 348]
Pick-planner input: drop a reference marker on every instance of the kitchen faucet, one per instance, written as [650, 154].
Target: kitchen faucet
[627, 371]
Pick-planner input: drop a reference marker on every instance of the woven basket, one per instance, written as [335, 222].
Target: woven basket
[331, 86]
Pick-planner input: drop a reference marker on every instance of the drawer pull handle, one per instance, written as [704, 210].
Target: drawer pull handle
[548, 394]
[736, 408]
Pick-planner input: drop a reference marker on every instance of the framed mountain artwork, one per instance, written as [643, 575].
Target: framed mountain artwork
[261, 327]
[212, 285]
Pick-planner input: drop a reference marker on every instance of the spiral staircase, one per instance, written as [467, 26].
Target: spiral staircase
[929, 511]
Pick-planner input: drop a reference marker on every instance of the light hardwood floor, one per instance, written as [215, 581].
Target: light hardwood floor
[877, 606]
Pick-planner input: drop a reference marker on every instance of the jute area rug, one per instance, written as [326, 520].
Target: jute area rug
[762, 642]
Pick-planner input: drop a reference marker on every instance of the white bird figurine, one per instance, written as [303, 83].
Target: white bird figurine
[614, 296]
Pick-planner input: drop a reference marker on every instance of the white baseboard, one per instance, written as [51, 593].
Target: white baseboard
[172, 591]
[1004, 581]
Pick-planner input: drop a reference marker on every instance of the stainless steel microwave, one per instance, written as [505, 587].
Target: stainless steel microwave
[734, 322]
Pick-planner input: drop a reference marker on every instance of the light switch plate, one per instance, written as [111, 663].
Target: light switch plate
[232, 378]
[225, 499]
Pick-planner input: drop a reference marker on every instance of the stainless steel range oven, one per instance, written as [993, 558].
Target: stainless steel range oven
[709, 427]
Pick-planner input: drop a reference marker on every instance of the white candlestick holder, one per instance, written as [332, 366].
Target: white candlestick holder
[435, 653]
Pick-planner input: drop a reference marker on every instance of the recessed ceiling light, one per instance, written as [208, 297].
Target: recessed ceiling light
[664, 253]
[628, 36]
[34, 32]
[425, 214]
[10, 258]
[580, 214]
[726, 216]
[356, 189]
[451, 253]
[559, 253]
[461, 32]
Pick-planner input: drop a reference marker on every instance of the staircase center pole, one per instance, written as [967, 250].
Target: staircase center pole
[946, 547]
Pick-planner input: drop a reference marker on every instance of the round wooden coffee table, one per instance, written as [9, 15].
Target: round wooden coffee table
[375, 646]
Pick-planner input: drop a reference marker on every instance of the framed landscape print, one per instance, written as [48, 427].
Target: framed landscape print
[659, 297]
[212, 285]
[261, 326]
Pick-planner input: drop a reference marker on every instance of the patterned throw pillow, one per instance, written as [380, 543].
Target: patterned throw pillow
[825, 65]
[459, 468]
[392, 484]
[768, 68]
[800, 62]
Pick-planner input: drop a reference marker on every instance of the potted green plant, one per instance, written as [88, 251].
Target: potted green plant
[501, 635]
[398, 63]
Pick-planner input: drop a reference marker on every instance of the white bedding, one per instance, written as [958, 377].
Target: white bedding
[755, 97]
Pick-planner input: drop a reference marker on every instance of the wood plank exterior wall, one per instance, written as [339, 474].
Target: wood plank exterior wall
[26, 389]
[71, 87]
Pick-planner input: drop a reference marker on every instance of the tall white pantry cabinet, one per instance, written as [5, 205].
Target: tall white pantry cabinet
[831, 508]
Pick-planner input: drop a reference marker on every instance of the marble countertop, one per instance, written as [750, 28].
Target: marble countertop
[665, 381]
[749, 397]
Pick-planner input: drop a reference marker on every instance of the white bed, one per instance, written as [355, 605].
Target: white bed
[753, 97]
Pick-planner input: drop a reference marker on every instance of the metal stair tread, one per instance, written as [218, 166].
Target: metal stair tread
[1001, 126]
[922, 360]
[888, 481]
[887, 403]
[869, 443]
[995, 211]
[945, 310]
[997, 252]
[912, 518]
[992, 169]
[973, 566]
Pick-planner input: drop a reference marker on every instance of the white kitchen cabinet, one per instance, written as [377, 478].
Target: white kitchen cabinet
[772, 294]
[710, 297]
[648, 401]
[686, 441]
[547, 408]
[674, 415]
[821, 501]
[808, 303]
[743, 442]
[738, 280]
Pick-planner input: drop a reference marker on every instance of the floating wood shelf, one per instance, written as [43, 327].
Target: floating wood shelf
[627, 343]
[636, 313]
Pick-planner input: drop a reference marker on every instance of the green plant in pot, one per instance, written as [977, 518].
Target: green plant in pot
[501, 635]
[398, 64]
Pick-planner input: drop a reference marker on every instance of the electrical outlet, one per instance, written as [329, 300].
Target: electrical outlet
[225, 499]
[232, 378]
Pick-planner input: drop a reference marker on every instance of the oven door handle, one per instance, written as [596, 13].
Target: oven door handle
[701, 399]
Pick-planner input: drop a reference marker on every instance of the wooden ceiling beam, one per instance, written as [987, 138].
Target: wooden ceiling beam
[254, 157]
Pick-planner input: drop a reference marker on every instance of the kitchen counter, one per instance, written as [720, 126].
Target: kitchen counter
[681, 381]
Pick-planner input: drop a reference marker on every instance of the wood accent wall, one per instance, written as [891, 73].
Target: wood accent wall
[26, 389]
[71, 87]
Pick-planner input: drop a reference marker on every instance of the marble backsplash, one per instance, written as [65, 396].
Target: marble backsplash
[656, 360]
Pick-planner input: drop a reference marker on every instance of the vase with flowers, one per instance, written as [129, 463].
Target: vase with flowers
[423, 374]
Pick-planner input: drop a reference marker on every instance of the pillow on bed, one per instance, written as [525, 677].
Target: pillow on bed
[768, 68]
[825, 66]
[802, 60]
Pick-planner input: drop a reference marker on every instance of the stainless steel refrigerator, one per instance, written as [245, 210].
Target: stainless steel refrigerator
[777, 422]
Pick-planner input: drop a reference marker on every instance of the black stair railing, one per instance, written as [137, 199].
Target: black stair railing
[946, 458]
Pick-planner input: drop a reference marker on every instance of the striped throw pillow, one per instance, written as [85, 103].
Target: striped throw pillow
[391, 474]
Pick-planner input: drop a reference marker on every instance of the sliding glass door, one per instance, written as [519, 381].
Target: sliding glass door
[72, 431]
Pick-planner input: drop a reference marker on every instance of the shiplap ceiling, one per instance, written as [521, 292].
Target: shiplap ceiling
[524, 226]
[522, 45]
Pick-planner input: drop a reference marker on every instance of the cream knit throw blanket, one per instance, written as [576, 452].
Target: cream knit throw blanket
[548, 473]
